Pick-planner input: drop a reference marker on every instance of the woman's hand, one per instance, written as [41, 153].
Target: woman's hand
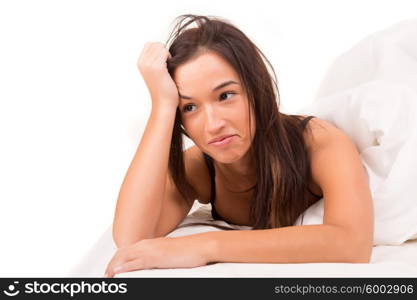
[152, 64]
[161, 253]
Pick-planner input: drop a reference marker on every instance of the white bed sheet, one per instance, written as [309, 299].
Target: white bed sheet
[386, 261]
[375, 81]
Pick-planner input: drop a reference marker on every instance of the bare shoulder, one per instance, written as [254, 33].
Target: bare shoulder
[337, 169]
[197, 173]
[321, 133]
[326, 142]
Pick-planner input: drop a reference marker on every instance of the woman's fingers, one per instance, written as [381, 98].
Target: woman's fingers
[136, 264]
[122, 256]
[113, 268]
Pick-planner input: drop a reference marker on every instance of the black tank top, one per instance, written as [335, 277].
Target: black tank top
[210, 166]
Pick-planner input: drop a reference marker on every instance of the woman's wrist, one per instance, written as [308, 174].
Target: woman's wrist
[209, 248]
[164, 109]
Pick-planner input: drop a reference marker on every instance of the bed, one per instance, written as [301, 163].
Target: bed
[370, 92]
[386, 261]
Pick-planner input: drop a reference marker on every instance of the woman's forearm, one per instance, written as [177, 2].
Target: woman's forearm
[292, 244]
[141, 194]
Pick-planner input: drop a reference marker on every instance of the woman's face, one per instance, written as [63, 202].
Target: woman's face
[213, 104]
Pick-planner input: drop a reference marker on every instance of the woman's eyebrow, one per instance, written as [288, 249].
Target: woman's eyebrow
[222, 85]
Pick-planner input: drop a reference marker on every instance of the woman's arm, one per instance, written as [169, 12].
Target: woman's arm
[292, 244]
[346, 234]
[142, 192]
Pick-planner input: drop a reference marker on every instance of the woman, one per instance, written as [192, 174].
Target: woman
[257, 166]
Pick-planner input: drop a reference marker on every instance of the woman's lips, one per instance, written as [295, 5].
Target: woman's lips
[223, 142]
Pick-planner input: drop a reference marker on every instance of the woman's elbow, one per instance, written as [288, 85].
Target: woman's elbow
[364, 255]
[355, 246]
[360, 252]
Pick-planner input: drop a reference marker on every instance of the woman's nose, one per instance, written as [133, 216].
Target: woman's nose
[214, 121]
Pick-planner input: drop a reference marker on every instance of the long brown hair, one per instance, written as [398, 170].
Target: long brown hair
[282, 162]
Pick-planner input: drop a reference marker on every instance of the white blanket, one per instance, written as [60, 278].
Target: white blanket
[386, 261]
[370, 92]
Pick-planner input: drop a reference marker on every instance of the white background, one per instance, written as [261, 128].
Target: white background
[73, 105]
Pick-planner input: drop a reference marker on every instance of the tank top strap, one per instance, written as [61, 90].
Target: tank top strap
[211, 169]
[306, 120]
[210, 166]
[304, 123]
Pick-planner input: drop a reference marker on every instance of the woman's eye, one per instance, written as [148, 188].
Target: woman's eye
[184, 109]
[225, 93]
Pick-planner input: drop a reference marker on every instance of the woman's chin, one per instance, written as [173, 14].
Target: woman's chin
[226, 158]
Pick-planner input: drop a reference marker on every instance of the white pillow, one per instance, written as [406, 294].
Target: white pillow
[370, 92]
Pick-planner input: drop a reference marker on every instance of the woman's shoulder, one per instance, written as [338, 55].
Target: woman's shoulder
[320, 133]
[322, 138]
